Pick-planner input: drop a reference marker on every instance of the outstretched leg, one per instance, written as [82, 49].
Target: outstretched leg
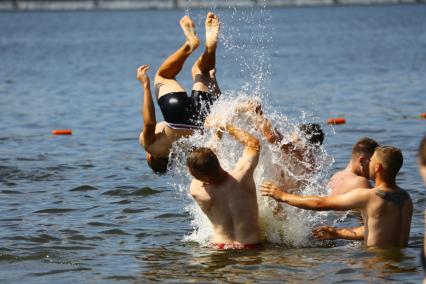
[203, 71]
[165, 79]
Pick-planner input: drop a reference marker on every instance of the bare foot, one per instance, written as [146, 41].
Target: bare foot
[212, 31]
[188, 28]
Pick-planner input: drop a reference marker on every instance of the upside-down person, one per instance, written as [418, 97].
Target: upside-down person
[182, 113]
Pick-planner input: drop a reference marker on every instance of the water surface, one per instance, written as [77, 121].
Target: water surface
[85, 208]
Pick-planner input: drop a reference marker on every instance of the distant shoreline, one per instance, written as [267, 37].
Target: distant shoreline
[179, 4]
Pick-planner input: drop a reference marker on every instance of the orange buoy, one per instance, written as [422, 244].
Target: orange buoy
[62, 132]
[423, 115]
[337, 120]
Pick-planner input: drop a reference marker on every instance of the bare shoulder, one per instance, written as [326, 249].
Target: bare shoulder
[243, 179]
[362, 182]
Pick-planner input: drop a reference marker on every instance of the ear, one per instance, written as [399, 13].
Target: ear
[378, 167]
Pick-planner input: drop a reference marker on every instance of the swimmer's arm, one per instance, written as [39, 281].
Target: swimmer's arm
[251, 152]
[262, 124]
[265, 127]
[355, 199]
[333, 233]
[147, 136]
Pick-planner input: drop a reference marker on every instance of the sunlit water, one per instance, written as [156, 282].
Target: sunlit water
[87, 208]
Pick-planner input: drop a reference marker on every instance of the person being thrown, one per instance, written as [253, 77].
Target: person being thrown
[386, 209]
[299, 154]
[228, 198]
[182, 113]
[355, 175]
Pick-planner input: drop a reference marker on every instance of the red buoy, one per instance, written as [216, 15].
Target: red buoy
[62, 132]
[423, 115]
[337, 120]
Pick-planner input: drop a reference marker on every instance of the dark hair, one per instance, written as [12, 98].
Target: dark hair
[157, 164]
[313, 133]
[364, 147]
[202, 162]
[422, 152]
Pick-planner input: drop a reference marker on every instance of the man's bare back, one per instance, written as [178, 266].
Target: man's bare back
[228, 198]
[387, 223]
[231, 207]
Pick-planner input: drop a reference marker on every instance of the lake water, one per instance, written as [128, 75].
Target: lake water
[86, 208]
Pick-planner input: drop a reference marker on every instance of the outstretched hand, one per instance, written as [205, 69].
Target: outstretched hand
[141, 74]
[325, 233]
[270, 189]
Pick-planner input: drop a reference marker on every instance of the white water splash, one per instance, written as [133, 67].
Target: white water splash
[292, 226]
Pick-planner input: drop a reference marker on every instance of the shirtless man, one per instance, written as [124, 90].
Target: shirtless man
[182, 113]
[228, 198]
[355, 175]
[386, 209]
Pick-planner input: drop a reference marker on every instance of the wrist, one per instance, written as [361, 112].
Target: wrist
[283, 196]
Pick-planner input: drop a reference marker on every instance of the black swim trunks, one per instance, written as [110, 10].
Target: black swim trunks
[183, 112]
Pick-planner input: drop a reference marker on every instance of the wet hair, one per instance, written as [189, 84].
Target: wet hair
[313, 133]
[157, 164]
[390, 158]
[422, 152]
[364, 147]
[202, 162]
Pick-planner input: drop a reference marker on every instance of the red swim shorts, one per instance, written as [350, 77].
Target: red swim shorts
[236, 246]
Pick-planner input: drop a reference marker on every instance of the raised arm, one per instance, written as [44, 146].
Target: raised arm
[262, 124]
[333, 233]
[354, 199]
[147, 136]
[250, 158]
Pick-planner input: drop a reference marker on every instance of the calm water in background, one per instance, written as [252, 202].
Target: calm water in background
[86, 208]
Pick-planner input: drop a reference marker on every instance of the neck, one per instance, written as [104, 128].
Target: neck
[351, 167]
[222, 176]
[384, 182]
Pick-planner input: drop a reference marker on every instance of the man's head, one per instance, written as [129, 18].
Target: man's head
[312, 132]
[157, 164]
[361, 154]
[386, 162]
[422, 158]
[204, 165]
